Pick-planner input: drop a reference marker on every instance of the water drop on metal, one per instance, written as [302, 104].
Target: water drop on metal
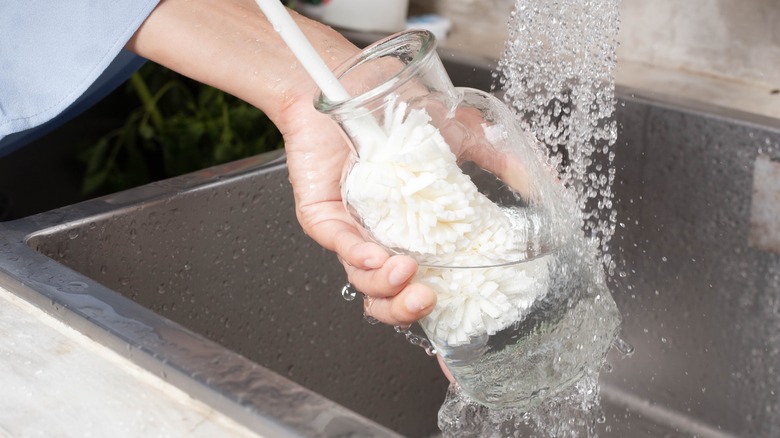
[624, 347]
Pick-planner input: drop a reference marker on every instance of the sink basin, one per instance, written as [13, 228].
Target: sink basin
[207, 280]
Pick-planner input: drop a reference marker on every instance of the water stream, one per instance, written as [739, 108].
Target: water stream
[557, 74]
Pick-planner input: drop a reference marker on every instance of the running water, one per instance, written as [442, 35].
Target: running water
[557, 74]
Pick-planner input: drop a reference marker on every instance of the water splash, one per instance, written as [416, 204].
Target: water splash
[623, 347]
[557, 73]
[575, 413]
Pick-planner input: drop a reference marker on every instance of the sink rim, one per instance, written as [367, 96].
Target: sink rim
[261, 399]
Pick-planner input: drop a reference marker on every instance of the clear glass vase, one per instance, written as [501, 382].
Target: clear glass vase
[446, 175]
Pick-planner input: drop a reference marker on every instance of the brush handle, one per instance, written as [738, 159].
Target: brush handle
[280, 19]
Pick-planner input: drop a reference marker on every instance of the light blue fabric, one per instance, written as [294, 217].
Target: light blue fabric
[52, 51]
[124, 65]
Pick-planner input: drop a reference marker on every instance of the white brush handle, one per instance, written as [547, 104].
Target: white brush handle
[280, 19]
[363, 127]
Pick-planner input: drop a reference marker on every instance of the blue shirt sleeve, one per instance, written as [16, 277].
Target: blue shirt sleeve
[52, 52]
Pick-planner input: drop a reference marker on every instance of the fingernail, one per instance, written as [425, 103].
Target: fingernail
[415, 302]
[398, 276]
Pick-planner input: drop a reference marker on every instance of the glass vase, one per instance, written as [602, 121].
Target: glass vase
[445, 174]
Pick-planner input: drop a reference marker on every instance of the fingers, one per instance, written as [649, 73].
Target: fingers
[369, 267]
[412, 303]
[315, 176]
[374, 272]
[354, 251]
[384, 280]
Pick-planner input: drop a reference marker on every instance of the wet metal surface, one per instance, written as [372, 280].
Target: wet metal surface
[765, 205]
[700, 305]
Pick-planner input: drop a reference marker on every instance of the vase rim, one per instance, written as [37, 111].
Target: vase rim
[425, 42]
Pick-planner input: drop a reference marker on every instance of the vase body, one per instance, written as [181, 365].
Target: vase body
[446, 175]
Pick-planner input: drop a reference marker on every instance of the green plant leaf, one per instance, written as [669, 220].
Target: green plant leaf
[177, 126]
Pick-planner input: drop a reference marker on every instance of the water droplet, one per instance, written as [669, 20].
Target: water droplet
[76, 286]
[348, 292]
[623, 347]
[401, 329]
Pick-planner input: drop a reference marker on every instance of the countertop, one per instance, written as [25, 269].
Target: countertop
[56, 382]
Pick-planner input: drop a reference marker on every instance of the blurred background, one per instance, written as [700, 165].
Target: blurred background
[159, 124]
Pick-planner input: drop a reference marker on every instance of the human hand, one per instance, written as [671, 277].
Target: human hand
[245, 57]
[230, 45]
[316, 155]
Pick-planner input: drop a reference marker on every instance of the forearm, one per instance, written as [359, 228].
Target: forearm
[230, 45]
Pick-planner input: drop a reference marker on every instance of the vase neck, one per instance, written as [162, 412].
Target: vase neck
[389, 79]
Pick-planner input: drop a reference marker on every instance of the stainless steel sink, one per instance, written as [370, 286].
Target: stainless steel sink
[207, 280]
